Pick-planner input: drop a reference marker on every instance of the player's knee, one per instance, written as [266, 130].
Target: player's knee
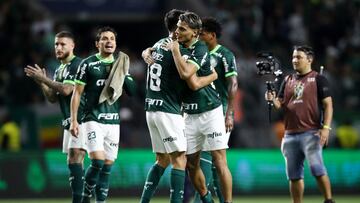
[76, 156]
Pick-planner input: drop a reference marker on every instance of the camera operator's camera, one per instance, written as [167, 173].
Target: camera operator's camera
[267, 64]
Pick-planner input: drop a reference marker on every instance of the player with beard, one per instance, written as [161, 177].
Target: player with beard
[59, 89]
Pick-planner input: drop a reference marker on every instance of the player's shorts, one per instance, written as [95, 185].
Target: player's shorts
[206, 127]
[166, 132]
[102, 137]
[70, 141]
[300, 146]
[210, 145]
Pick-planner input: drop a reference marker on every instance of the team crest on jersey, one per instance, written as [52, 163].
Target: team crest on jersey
[298, 90]
[108, 68]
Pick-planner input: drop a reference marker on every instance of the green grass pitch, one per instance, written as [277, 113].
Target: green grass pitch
[261, 199]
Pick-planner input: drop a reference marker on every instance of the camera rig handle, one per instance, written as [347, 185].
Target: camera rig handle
[270, 87]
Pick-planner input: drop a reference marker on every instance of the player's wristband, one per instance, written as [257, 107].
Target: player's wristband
[326, 127]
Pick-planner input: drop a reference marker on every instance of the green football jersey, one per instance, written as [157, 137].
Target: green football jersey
[164, 87]
[92, 73]
[206, 98]
[223, 60]
[65, 74]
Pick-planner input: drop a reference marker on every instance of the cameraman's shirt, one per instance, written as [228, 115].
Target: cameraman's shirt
[301, 98]
[223, 60]
[206, 98]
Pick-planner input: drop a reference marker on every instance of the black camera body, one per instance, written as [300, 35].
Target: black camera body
[269, 68]
[266, 66]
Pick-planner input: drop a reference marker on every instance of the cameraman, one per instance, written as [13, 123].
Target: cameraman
[307, 104]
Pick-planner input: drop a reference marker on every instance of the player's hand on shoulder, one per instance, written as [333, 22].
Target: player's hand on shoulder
[171, 45]
[147, 55]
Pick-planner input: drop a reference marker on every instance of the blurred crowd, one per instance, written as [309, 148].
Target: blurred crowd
[331, 27]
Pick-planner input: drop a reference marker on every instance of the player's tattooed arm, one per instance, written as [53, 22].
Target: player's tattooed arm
[39, 75]
[232, 86]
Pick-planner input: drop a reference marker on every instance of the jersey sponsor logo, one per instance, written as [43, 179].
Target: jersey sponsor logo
[108, 116]
[94, 63]
[96, 68]
[100, 82]
[156, 102]
[169, 139]
[213, 135]
[82, 70]
[192, 106]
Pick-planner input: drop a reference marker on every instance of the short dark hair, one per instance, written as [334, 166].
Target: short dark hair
[104, 29]
[66, 34]
[171, 18]
[306, 49]
[210, 24]
[192, 19]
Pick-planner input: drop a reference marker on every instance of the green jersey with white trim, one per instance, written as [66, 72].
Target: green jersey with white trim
[92, 73]
[65, 74]
[164, 87]
[206, 98]
[223, 60]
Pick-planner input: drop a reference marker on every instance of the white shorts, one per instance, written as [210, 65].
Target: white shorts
[206, 127]
[102, 137]
[70, 142]
[166, 132]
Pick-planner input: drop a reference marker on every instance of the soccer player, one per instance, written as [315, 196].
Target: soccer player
[60, 90]
[164, 89]
[101, 122]
[204, 120]
[307, 104]
[223, 60]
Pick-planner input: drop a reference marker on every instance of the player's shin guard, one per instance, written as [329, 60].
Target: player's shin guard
[91, 177]
[177, 180]
[76, 180]
[205, 165]
[151, 183]
[216, 184]
[102, 185]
